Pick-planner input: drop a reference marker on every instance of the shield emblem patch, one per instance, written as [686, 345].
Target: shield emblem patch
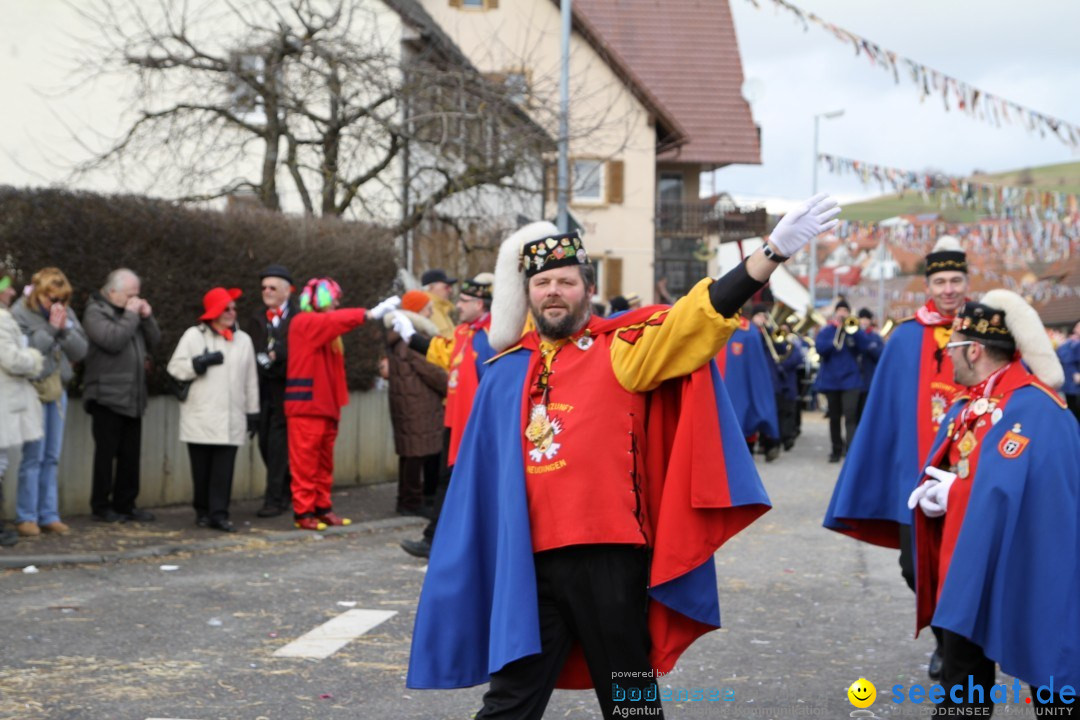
[736, 347]
[1012, 445]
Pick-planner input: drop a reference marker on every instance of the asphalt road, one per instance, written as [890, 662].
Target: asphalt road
[806, 612]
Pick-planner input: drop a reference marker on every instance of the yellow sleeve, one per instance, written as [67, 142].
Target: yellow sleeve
[672, 342]
[440, 351]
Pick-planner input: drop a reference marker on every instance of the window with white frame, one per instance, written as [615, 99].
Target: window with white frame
[587, 176]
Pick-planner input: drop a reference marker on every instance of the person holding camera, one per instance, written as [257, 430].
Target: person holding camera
[121, 328]
[222, 404]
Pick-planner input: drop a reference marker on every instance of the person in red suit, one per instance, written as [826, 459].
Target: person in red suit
[315, 392]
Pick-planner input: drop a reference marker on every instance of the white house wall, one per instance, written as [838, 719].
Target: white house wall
[607, 121]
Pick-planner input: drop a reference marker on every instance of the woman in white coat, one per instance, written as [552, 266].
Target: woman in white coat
[222, 405]
[20, 412]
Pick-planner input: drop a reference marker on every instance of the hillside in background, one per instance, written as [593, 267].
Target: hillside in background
[1057, 178]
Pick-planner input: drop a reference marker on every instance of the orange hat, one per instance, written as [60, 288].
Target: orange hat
[216, 300]
[414, 301]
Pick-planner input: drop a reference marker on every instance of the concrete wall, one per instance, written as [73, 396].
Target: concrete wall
[364, 454]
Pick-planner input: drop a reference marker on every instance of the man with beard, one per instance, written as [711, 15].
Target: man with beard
[601, 469]
[908, 398]
[997, 522]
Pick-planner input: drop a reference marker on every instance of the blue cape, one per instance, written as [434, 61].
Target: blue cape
[478, 608]
[1014, 577]
[882, 466]
[749, 383]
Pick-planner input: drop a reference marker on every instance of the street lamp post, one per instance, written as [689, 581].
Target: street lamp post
[813, 240]
[562, 192]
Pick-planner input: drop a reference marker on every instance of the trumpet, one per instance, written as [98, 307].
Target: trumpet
[850, 327]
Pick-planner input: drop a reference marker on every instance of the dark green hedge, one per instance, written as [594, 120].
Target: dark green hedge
[181, 252]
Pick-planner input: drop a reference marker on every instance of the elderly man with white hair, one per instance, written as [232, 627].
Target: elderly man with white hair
[121, 328]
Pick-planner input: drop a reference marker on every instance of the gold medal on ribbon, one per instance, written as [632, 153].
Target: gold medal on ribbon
[967, 444]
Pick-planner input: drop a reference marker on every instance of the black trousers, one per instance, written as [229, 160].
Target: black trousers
[445, 471]
[786, 414]
[595, 595]
[411, 471]
[117, 445]
[863, 394]
[433, 465]
[842, 404]
[212, 469]
[963, 659]
[274, 448]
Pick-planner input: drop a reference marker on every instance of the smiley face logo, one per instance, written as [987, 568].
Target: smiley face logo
[862, 693]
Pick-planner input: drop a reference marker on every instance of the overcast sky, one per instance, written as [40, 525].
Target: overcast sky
[1024, 52]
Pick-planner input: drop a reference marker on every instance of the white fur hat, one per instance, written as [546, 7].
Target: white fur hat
[510, 305]
[1027, 331]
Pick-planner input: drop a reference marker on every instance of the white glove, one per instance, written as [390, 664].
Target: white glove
[388, 305]
[919, 493]
[936, 501]
[795, 229]
[403, 326]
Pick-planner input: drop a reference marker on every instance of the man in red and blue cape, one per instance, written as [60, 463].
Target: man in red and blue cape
[748, 371]
[601, 468]
[464, 357]
[997, 521]
[909, 396]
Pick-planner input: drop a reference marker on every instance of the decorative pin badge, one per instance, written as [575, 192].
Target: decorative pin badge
[980, 406]
[584, 342]
[963, 468]
[995, 417]
[967, 443]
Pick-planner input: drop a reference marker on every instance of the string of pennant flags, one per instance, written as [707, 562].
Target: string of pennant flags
[1009, 201]
[955, 93]
[1015, 244]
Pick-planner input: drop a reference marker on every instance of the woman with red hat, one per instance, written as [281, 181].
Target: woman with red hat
[222, 404]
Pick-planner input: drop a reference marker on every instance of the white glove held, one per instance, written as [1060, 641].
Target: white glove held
[388, 305]
[795, 229]
[919, 493]
[935, 502]
[403, 326]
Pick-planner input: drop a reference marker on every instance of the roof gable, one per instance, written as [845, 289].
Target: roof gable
[685, 54]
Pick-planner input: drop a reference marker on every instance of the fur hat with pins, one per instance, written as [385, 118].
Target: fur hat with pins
[1004, 320]
[532, 249]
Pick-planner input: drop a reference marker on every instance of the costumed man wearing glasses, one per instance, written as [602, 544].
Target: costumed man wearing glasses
[464, 357]
[270, 334]
[908, 399]
[601, 468]
[997, 517]
[315, 392]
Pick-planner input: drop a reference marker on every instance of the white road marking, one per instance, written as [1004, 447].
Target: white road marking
[334, 634]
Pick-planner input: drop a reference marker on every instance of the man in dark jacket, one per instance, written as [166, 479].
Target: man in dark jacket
[839, 376]
[869, 359]
[270, 334]
[121, 329]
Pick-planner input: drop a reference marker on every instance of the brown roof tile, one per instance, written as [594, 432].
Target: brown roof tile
[685, 52]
